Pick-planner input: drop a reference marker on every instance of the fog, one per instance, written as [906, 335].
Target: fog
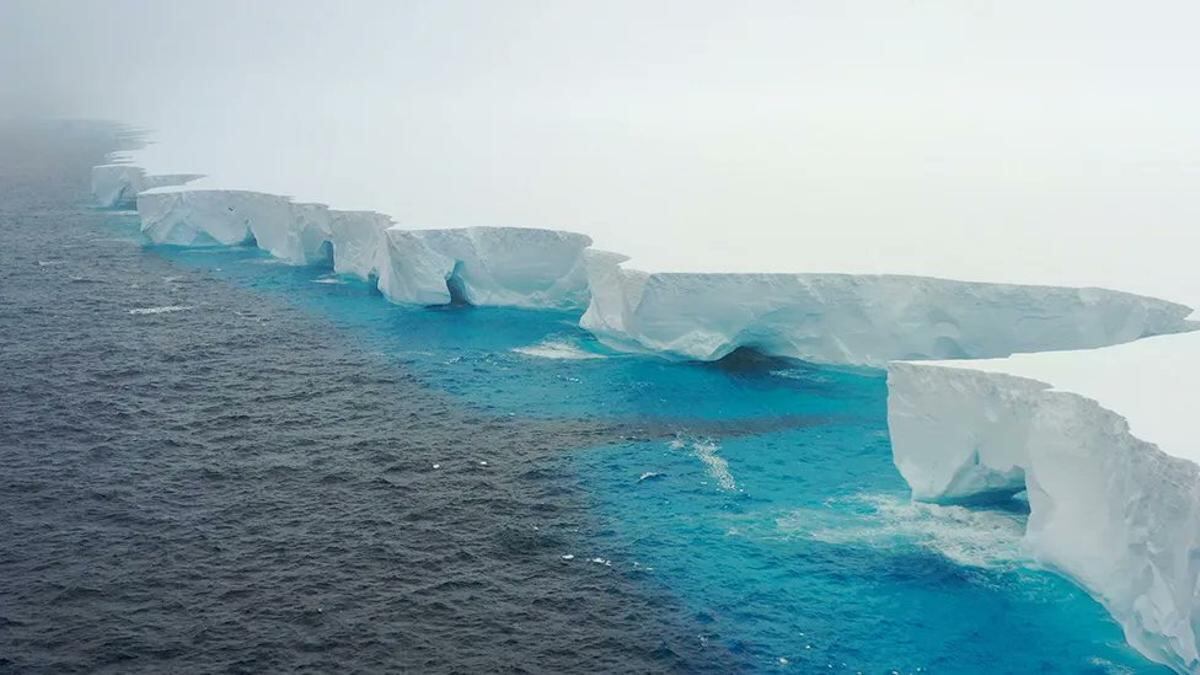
[1019, 141]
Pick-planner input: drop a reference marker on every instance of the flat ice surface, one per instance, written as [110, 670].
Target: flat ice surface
[1150, 382]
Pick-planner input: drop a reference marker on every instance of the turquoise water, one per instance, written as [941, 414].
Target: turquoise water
[759, 492]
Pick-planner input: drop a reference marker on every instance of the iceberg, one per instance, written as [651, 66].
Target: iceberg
[356, 239]
[118, 185]
[297, 233]
[865, 320]
[211, 217]
[1101, 442]
[499, 266]
[308, 236]
[502, 266]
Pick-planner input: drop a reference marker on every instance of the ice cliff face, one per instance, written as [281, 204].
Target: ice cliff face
[825, 318]
[503, 266]
[118, 185]
[1100, 444]
[297, 233]
[858, 319]
[357, 241]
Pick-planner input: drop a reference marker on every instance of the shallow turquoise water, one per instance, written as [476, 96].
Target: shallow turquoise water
[771, 509]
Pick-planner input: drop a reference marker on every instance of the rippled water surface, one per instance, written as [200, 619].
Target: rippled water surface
[214, 462]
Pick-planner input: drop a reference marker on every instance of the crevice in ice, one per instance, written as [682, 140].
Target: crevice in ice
[324, 257]
[750, 360]
[457, 287]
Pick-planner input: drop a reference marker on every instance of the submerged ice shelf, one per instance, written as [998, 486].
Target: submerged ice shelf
[961, 430]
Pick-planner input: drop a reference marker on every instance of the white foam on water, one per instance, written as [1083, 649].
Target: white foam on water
[557, 349]
[330, 279]
[166, 309]
[968, 537]
[1109, 667]
[803, 375]
[718, 467]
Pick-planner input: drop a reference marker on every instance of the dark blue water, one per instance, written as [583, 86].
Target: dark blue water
[269, 468]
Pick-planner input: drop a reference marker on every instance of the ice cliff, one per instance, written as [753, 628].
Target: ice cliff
[118, 185]
[858, 319]
[505, 266]
[825, 318]
[1102, 443]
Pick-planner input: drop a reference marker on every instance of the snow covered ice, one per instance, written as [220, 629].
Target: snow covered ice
[116, 185]
[1104, 443]
[357, 238]
[859, 319]
[499, 266]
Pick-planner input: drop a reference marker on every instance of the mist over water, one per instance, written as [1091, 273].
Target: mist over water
[976, 140]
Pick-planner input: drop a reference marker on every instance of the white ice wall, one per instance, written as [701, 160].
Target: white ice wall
[1103, 443]
[858, 319]
[116, 185]
[825, 318]
[508, 266]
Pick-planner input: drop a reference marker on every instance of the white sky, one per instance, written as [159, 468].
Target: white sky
[1040, 142]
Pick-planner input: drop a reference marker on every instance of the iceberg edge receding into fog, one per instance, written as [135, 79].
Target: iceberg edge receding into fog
[866, 320]
[958, 433]
[118, 185]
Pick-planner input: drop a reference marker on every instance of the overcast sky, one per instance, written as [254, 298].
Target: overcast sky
[1040, 141]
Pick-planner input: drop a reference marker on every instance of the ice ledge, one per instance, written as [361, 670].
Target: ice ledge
[1103, 444]
[498, 266]
[824, 318]
[118, 185]
[859, 319]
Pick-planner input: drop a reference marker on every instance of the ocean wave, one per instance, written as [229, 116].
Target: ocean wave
[165, 309]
